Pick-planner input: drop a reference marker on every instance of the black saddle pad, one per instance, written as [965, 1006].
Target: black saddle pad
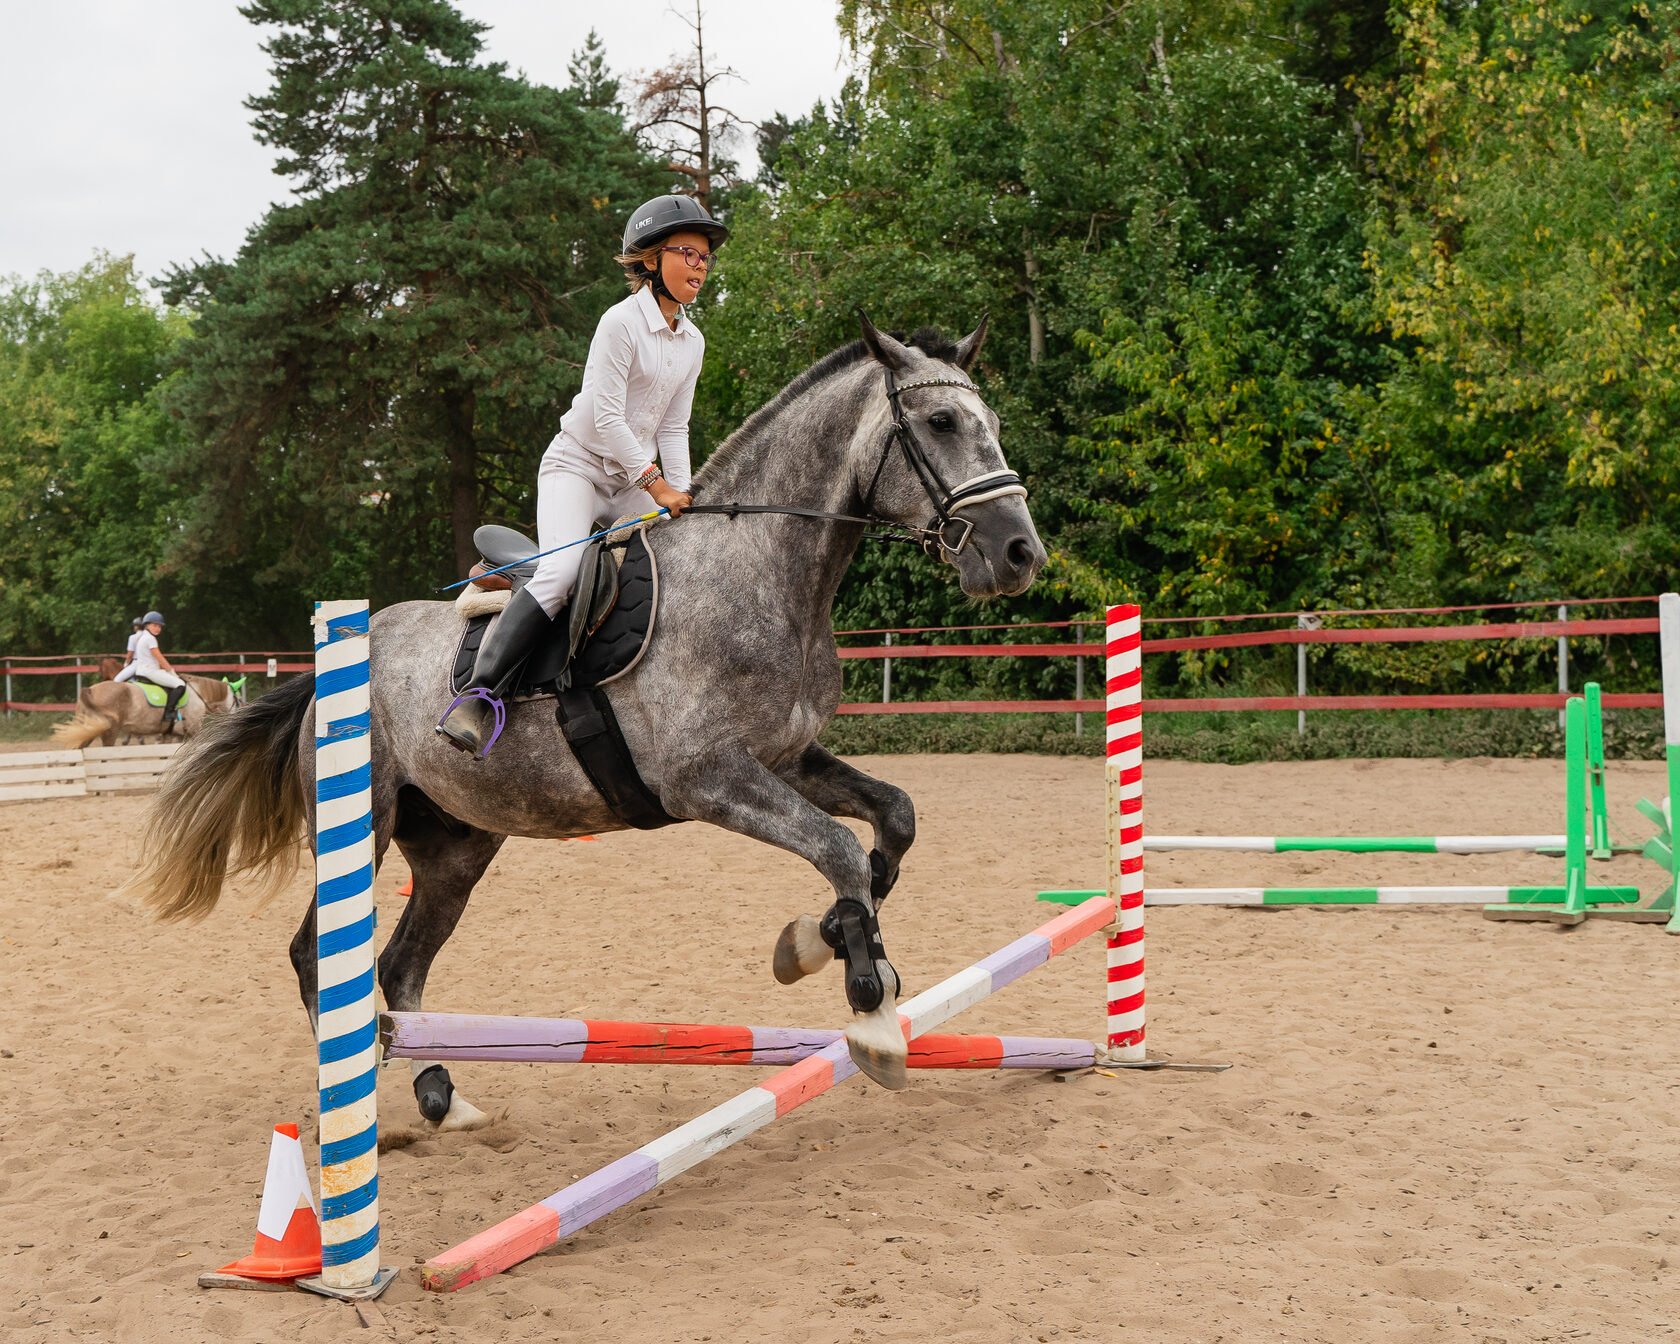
[617, 642]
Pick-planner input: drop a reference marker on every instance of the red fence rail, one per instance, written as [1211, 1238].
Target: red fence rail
[293, 662]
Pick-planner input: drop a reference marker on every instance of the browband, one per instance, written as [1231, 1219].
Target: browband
[931, 382]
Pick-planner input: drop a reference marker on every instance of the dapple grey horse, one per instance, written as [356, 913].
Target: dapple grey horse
[721, 714]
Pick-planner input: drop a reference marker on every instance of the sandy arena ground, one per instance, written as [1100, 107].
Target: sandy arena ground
[1438, 1128]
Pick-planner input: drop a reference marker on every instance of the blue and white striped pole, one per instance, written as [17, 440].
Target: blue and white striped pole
[344, 949]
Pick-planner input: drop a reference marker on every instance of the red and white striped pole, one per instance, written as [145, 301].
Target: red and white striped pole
[1124, 806]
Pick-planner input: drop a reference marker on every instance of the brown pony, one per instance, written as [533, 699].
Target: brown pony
[108, 709]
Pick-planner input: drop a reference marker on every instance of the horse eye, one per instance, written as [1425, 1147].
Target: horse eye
[942, 421]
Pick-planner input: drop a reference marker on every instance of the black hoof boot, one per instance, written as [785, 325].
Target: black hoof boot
[434, 1091]
[851, 929]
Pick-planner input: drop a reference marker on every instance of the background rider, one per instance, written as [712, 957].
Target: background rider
[149, 664]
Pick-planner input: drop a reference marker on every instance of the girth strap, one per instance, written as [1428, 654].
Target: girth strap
[591, 730]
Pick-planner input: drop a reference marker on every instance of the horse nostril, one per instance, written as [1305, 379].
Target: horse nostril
[1020, 553]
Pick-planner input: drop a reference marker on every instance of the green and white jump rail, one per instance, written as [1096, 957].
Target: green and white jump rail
[1287, 896]
[1361, 844]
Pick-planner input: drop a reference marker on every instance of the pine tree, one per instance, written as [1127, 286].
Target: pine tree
[591, 79]
[386, 357]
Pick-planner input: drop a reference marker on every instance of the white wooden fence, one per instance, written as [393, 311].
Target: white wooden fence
[71, 774]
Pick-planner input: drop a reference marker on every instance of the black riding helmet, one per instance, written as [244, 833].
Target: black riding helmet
[661, 217]
[665, 215]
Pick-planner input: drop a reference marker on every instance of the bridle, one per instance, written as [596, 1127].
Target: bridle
[945, 531]
[945, 500]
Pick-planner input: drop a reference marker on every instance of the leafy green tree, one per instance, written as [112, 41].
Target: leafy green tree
[1525, 274]
[1125, 202]
[1224, 480]
[86, 508]
[382, 364]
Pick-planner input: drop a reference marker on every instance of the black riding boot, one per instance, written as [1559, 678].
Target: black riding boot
[470, 723]
[171, 714]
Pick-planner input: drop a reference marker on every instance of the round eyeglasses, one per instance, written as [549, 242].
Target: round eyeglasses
[696, 259]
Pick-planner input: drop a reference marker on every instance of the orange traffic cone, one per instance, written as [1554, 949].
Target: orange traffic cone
[288, 1232]
[407, 888]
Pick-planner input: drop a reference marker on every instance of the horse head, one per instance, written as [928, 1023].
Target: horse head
[941, 468]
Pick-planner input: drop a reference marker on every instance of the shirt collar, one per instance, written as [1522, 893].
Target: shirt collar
[649, 304]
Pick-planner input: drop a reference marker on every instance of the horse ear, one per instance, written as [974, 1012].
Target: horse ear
[968, 349]
[894, 354]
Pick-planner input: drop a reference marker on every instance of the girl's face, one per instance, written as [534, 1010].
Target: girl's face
[684, 281]
[155, 629]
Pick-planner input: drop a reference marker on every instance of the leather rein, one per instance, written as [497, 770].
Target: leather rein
[946, 531]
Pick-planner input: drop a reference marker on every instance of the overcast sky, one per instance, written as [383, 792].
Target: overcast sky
[124, 128]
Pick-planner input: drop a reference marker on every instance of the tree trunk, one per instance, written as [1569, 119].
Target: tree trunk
[462, 447]
[703, 181]
[1160, 49]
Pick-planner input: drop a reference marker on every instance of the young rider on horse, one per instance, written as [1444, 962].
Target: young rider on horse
[149, 664]
[622, 447]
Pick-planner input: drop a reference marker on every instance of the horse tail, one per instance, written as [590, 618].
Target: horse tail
[88, 724]
[231, 802]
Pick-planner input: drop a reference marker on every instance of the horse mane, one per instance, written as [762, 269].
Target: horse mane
[929, 340]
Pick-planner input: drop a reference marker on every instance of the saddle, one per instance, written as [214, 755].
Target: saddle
[595, 639]
[598, 637]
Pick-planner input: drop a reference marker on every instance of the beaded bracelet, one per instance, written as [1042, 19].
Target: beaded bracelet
[648, 477]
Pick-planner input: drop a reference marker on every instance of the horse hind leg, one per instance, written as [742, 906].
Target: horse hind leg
[447, 858]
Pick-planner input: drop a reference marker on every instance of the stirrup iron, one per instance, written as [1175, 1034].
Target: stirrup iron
[495, 702]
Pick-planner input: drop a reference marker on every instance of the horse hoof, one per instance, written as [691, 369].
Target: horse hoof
[435, 1093]
[876, 1043]
[462, 1116]
[800, 951]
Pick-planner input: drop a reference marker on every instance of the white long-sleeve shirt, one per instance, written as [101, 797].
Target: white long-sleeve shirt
[638, 391]
[145, 652]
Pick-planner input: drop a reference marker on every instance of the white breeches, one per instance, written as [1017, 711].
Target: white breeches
[127, 674]
[156, 675]
[575, 497]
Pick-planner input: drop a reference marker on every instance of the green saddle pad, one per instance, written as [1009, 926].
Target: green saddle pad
[156, 696]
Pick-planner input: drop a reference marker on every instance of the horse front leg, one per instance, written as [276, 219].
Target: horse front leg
[733, 790]
[842, 790]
